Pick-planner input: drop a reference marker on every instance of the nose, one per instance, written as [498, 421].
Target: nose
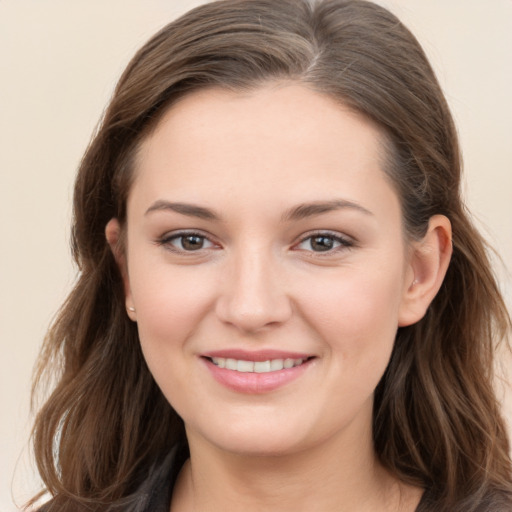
[253, 293]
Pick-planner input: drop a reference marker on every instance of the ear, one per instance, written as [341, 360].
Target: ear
[428, 262]
[113, 235]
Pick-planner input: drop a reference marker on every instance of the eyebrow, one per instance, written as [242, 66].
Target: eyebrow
[299, 212]
[191, 210]
[305, 210]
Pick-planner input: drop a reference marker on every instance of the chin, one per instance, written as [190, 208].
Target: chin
[261, 447]
[257, 441]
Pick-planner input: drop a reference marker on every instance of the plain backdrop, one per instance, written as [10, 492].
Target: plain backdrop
[59, 61]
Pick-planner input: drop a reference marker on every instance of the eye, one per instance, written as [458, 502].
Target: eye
[324, 242]
[186, 242]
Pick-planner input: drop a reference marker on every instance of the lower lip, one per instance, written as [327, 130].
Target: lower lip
[255, 383]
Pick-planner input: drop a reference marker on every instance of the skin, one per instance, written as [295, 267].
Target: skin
[259, 281]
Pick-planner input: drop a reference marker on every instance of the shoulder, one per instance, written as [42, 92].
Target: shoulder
[153, 495]
[497, 501]
[492, 501]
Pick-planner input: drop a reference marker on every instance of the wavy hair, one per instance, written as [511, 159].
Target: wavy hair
[437, 422]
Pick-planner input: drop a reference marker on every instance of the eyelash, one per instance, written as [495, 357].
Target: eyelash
[166, 241]
[344, 243]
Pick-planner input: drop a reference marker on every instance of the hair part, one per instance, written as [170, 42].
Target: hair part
[436, 419]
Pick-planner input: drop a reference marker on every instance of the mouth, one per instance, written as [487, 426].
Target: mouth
[248, 366]
[256, 373]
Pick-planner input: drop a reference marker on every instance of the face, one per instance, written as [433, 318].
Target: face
[267, 267]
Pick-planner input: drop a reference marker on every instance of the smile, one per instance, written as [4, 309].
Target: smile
[244, 366]
[256, 372]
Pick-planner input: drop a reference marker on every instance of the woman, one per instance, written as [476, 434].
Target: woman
[282, 304]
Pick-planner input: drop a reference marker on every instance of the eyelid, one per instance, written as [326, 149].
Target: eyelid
[345, 241]
[166, 239]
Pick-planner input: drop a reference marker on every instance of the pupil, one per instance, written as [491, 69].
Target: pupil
[322, 243]
[192, 242]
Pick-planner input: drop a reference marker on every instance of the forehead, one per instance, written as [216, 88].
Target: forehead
[275, 142]
[277, 112]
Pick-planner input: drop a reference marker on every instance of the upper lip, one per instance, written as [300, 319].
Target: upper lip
[256, 355]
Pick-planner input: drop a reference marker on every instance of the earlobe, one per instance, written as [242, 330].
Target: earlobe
[113, 235]
[429, 260]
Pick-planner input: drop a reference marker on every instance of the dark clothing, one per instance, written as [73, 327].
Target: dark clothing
[155, 494]
[156, 497]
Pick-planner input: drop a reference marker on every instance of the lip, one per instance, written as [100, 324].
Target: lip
[257, 355]
[256, 383]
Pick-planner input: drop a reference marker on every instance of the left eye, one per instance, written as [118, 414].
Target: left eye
[323, 242]
[189, 242]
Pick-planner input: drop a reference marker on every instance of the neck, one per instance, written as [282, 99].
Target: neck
[340, 474]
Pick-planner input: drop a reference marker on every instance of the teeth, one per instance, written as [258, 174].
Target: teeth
[262, 366]
[276, 364]
[288, 363]
[240, 365]
[244, 366]
[219, 361]
[231, 364]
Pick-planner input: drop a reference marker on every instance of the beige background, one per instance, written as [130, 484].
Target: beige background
[59, 60]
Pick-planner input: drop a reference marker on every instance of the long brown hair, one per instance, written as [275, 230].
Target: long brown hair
[436, 419]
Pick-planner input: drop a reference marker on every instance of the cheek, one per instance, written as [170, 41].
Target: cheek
[170, 301]
[357, 312]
